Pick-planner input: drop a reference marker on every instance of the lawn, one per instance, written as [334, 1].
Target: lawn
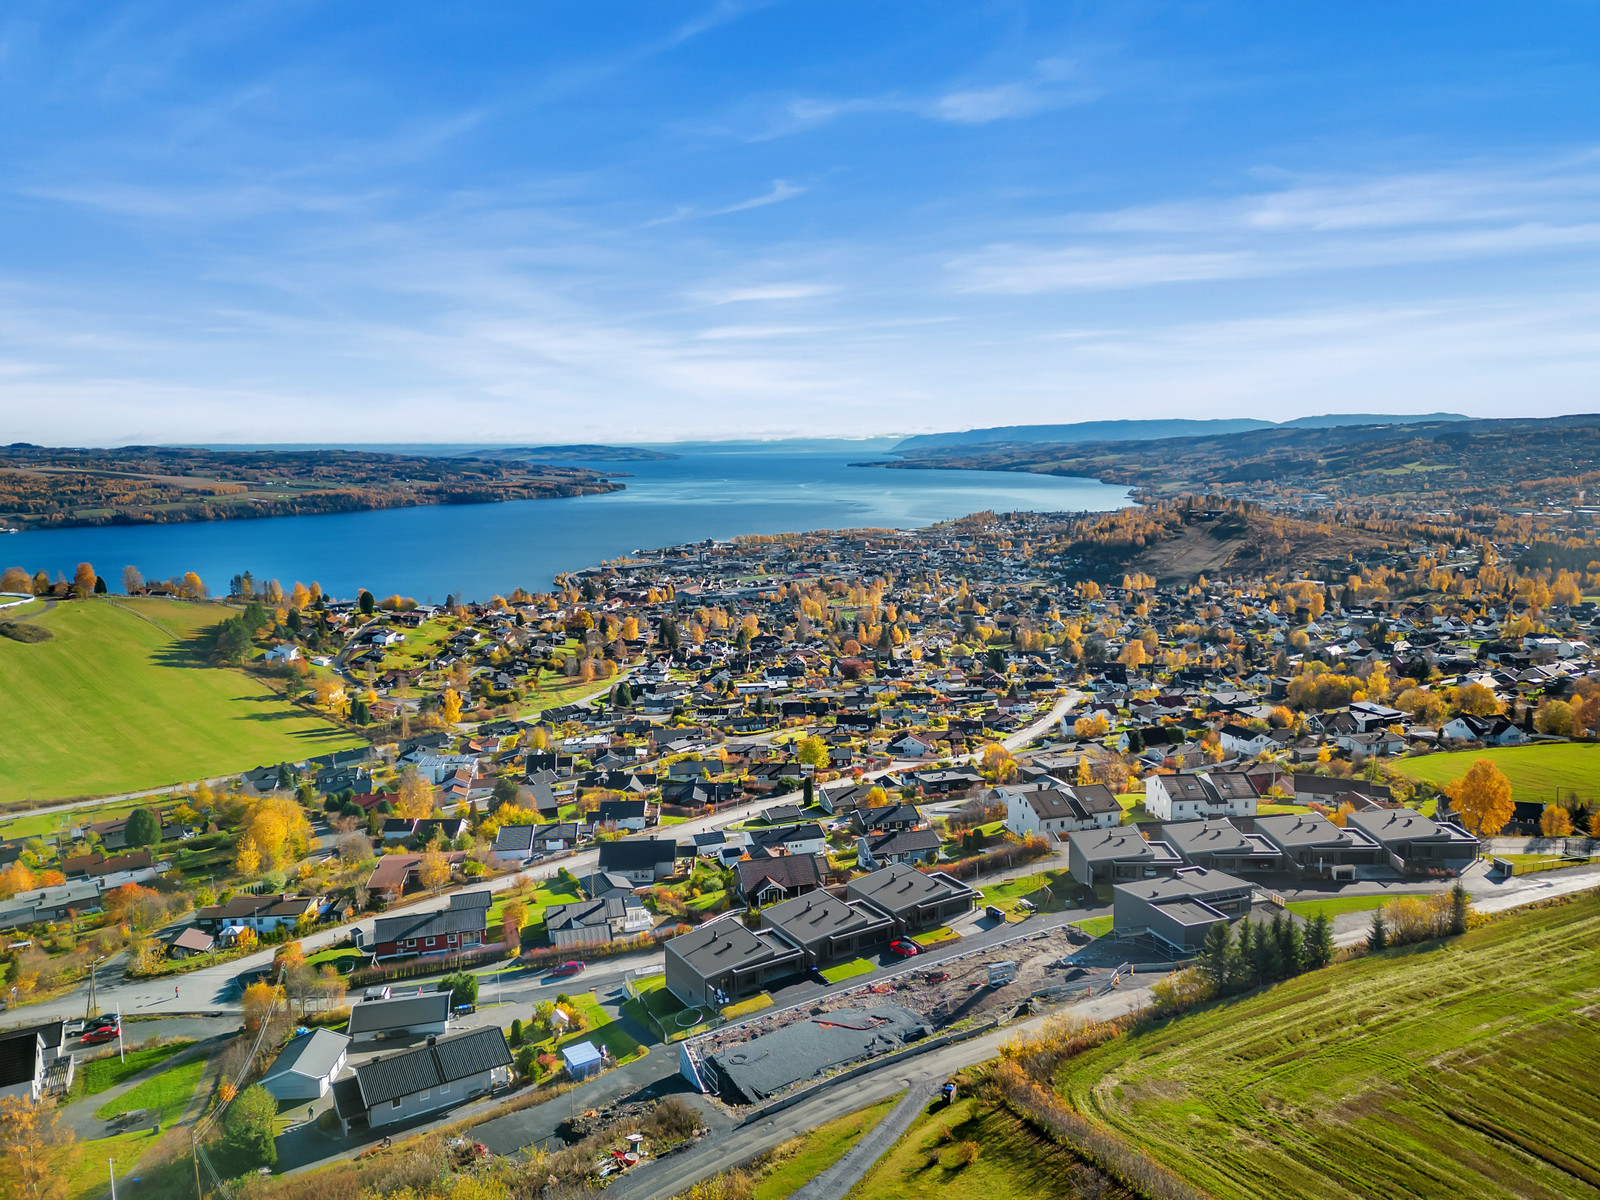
[1335, 905]
[797, 1162]
[1032, 889]
[849, 970]
[1463, 1068]
[344, 958]
[166, 1094]
[601, 1030]
[1095, 926]
[934, 936]
[86, 1173]
[99, 1074]
[1535, 772]
[120, 699]
[1014, 1162]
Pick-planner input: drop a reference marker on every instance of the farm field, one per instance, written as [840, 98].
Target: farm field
[1535, 772]
[1462, 1068]
[119, 700]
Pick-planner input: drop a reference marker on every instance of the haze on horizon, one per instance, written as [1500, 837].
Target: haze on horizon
[641, 223]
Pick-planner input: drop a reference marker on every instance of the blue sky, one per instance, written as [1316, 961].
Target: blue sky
[638, 222]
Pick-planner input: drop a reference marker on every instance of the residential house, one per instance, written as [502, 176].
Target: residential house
[588, 921]
[442, 1074]
[1053, 808]
[769, 878]
[306, 1068]
[828, 929]
[1312, 844]
[909, 846]
[1099, 856]
[261, 914]
[461, 926]
[1180, 910]
[427, 1013]
[1198, 795]
[916, 900]
[1219, 844]
[722, 961]
[640, 860]
[1415, 841]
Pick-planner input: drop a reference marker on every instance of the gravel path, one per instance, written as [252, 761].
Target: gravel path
[836, 1182]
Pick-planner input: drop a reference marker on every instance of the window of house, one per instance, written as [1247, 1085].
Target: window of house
[394, 1104]
[444, 1089]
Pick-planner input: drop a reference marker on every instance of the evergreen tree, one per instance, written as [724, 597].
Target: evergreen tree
[1268, 962]
[1291, 946]
[1216, 953]
[1242, 966]
[809, 792]
[1135, 740]
[366, 603]
[1319, 941]
[1378, 935]
[1460, 906]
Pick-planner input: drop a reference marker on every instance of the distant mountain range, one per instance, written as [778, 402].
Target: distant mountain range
[574, 453]
[1146, 431]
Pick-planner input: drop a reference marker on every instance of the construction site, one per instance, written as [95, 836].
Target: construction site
[763, 1059]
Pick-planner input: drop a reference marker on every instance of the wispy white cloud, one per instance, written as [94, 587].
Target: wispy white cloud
[780, 191]
[754, 293]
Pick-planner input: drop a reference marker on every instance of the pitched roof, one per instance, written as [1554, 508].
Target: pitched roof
[428, 924]
[402, 1012]
[459, 1056]
[313, 1054]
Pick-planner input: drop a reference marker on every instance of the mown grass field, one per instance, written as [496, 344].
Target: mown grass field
[794, 1164]
[1014, 1161]
[119, 700]
[1461, 1069]
[1535, 772]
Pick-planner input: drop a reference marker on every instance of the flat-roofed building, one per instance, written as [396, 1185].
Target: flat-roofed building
[1415, 840]
[1098, 856]
[1219, 844]
[1313, 845]
[1180, 910]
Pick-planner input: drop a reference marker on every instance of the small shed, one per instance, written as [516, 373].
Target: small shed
[582, 1060]
[191, 941]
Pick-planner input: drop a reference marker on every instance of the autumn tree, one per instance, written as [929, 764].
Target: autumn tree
[1554, 717]
[132, 580]
[415, 797]
[83, 580]
[258, 1002]
[15, 579]
[192, 588]
[512, 917]
[14, 877]
[1555, 821]
[812, 751]
[450, 706]
[434, 870]
[1476, 700]
[1483, 798]
[38, 1153]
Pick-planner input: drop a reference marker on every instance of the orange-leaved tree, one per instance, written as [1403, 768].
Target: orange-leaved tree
[1483, 798]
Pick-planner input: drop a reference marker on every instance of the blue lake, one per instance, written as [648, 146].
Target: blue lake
[475, 551]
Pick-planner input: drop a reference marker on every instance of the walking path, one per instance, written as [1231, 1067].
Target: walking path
[835, 1183]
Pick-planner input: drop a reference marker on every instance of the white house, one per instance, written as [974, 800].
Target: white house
[306, 1067]
[1198, 795]
[1056, 809]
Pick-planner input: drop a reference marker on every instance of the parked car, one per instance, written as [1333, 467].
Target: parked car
[72, 1028]
[100, 1022]
[904, 948]
[105, 1033]
[566, 970]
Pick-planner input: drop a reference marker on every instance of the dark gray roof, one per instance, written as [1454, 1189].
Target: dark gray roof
[584, 914]
[467, 901]
[1190, 883]
[444, 1061]
[812, 917]
[805, 1049]
[402, 1012]
[431, 924]
[1304, 829]
[721, 946]
[636, 853]
[19, 1056]
[899, 888]
[1107, 845]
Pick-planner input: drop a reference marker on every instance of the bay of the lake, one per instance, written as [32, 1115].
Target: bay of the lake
[477, 550]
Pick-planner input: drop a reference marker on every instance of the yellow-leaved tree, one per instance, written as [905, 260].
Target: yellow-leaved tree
[450, 706]
[38, 1153]
[415, 797]
[1555, 821]
[1483, 798]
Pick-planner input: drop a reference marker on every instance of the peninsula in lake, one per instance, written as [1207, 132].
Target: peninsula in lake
[47, 487]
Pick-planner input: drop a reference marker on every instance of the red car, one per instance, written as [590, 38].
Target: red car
[566, 970]
[904, 948]
[106, 1033]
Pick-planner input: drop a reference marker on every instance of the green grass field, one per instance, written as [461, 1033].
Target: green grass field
[1014, 1161]
[1335, 905]
[849, 970]
[100, 1074]
[119, 700]
[1535, 772]
[166, 1094]
[796, 1163]
[1463, 1068]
